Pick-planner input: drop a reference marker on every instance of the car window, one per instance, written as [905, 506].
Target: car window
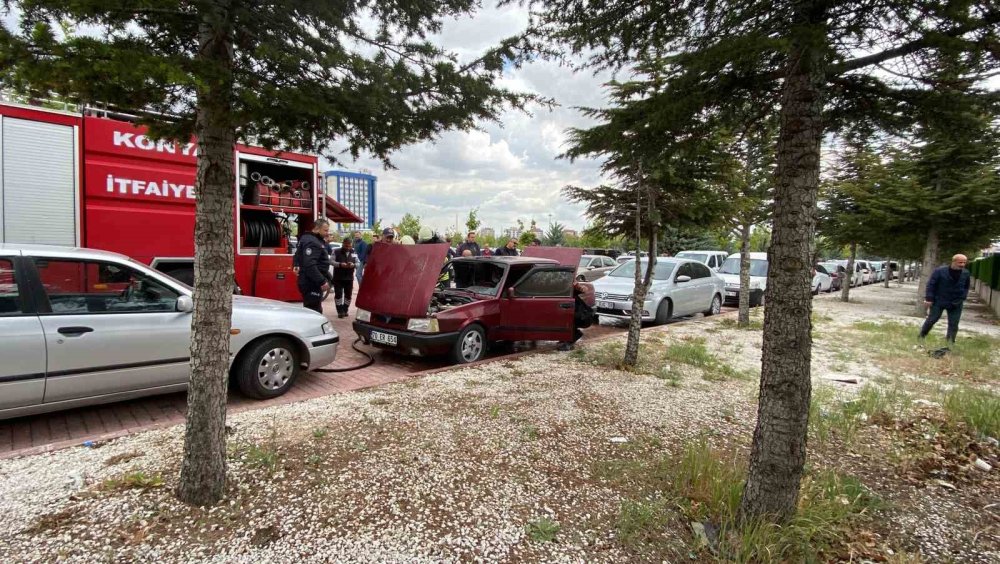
[546, 284]
[10, 298]
[608, 261]
[661, 271]
[684, 270]
[84, 287]
[700, 270]
[758, 267]
[584, 262]
[821, 269]
[700, 257]
[478, 277]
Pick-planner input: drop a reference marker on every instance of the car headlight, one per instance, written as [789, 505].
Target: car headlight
[363, 315]
[423, 325]
[327, 328]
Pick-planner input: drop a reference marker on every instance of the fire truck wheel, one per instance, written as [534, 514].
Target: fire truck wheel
[185, 275]
[267, 369]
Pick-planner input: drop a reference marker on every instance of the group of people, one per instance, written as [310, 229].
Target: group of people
[470, 248]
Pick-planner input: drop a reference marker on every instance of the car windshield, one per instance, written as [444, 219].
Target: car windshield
[661, 271]
[758, 267]
[584, 262]
[143, 266]
[478, 277]
[700, 257]
[829, 267]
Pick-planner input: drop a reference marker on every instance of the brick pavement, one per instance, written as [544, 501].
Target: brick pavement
[39, 433]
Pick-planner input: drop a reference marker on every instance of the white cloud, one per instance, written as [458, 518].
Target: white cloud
[509, 170]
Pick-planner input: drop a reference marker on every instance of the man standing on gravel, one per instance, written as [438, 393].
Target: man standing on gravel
[947, 289]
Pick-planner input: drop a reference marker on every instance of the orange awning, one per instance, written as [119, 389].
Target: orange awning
[336, 212]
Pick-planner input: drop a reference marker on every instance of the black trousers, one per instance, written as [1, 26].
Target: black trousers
[312, 298]
[954, 315]
[342, 290]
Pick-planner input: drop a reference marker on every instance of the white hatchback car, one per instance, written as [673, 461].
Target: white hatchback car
[730, 273]
[81, 327]
[711, 259]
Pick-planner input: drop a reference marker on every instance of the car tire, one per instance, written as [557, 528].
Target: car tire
[581, 278]
[816, 289]
[716, 306]
[664, 312]
[268, 368]
[470, 346]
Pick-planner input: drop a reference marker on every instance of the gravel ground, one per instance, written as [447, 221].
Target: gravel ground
[449, 467]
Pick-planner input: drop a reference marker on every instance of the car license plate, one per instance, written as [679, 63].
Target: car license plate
[730, 293]
[383, 338]
[606, 305]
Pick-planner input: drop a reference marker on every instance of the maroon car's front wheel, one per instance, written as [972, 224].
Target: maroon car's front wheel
[470, 346]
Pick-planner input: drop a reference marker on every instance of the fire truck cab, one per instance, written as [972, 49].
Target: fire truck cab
[97, 180]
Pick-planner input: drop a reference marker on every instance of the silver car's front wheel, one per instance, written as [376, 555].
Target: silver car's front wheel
[267, 368]
[276, 368]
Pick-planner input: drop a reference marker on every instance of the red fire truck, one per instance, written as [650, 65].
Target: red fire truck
[94, 180]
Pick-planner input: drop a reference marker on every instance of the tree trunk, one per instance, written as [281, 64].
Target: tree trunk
[778, 454]
[744, 314]
[845, 290]
[932, 251]
[203, 469]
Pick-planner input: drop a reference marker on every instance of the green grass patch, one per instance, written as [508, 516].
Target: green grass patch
[542, 530]
[133, 481]
[705, 485]
[979, 409]
[755, 324]
[669, 362]
[830, 415]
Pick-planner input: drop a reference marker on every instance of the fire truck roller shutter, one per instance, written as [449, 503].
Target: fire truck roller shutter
[38, 184]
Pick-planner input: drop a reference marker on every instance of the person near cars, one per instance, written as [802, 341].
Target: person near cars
[487, 252]
[345, 261]
[583, 317]
[314, 265]
[361, 249]
[508, 250]
[947, 289]
[470, 244]
[452, 253]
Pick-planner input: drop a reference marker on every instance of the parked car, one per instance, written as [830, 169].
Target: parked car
[679, 287]
[711, 259]
[837, 272]
[857, 277]
[82, 327]
[821, 281]
[866, 271]
[878, 271]
[525, 298]
[593, 267]
[730, 274]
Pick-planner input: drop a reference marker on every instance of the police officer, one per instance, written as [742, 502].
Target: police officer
[344, 263]
[314, 265]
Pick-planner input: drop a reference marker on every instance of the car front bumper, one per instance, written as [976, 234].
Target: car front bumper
[623, 309]
[408, 342]
[322, 350]
[733, 294]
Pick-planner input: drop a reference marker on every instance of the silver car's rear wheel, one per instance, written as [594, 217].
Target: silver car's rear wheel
[267, 368]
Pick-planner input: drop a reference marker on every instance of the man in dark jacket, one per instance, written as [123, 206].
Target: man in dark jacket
[508, 250]
[313, 263]
[361, 250]
[470, 244]
[947, 289]
[344, 263]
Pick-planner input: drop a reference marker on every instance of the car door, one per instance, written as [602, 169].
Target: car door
[539, 307]
[704, 286]
[109, 328]
[22, 342]
[684, 294]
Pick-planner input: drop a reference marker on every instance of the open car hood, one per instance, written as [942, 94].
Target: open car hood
[566, 256]
[400, 279]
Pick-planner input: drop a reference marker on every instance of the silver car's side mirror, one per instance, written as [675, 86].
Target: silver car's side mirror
[683, 278]
[185, 304]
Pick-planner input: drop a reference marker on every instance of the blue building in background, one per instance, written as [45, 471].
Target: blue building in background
[356, 191]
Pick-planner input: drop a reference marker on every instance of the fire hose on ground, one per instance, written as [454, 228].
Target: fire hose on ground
[354, 345]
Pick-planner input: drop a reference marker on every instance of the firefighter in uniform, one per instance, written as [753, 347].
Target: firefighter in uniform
[345, 260]
[313, 263]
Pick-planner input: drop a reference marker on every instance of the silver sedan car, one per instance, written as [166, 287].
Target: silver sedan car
[679, 287]
[81, 327]
[593, 267]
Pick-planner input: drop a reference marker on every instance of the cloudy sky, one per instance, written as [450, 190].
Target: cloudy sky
[507, 170]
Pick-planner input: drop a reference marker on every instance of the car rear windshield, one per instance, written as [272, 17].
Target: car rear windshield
[700, 257]
[732, 266]
[661, 271]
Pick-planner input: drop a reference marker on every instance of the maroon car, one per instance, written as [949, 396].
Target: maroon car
[405, 305]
